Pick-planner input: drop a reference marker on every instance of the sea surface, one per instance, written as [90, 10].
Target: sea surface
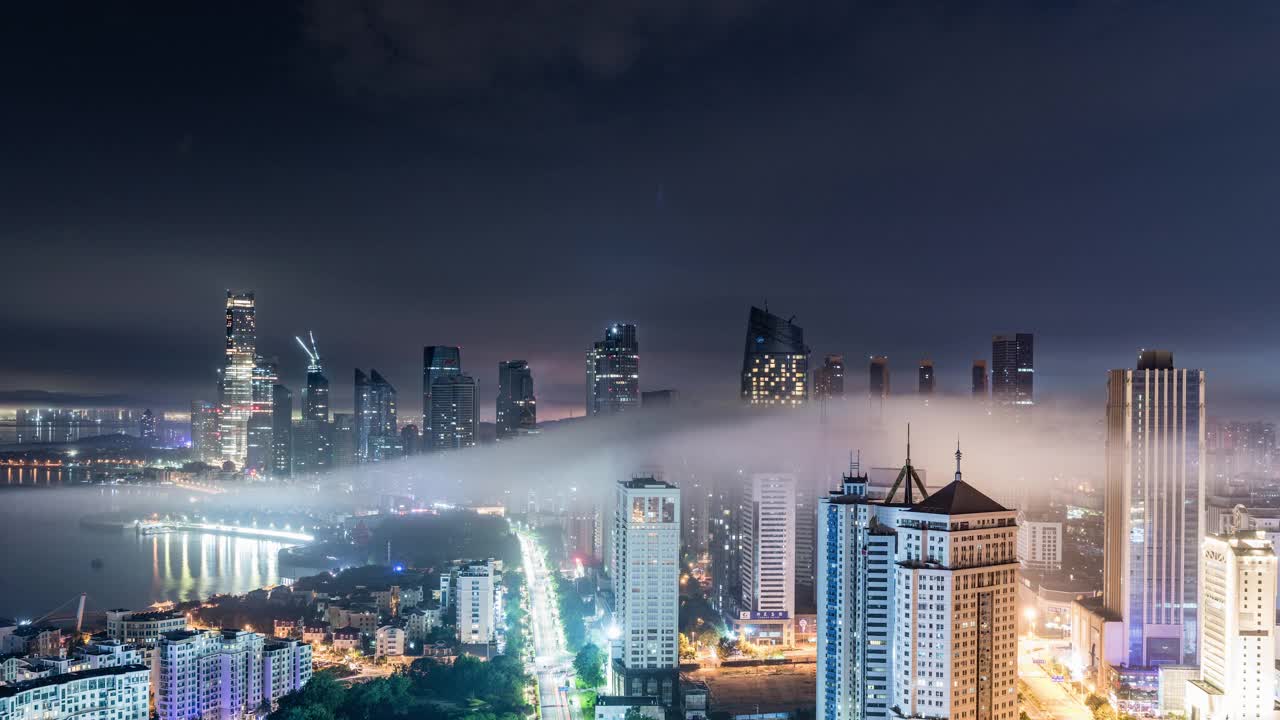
[47, 559]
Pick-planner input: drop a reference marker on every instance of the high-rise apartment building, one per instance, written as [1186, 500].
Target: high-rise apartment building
[517, 408]
[878, 384]
[221, 674]
[1154, 508]
[281, 431]
[478, 605]
[916, 603]
[828, 380]
[768, 570]
[775, 361]
[613, 371]
[205, 445]
[1040, 543]
[313, 450]
[925, 378]
[1237, 638]
[235, 398]
[1013, 370]
[377, 430]
[980, 379]
[437, 361]
[645, 569]
[455, 421]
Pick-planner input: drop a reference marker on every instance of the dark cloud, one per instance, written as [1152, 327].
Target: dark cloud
[408, 46]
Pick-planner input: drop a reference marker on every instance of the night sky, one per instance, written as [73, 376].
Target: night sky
[906, 178]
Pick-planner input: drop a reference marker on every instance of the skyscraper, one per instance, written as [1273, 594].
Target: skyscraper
[343, 440]
[377, 431]
[236, 387]
[1154, 508]
[980, 379]
[281, 431]
[454, 419]
[646, 586]
[147, 427]
[1237, 645]
[878, 386]
[314, 449]
[775, 361]
[517, 408]
[261, 417]
[1013, 370]
[828, 380]
[916, 603]
[925, 386]
[613, 371]
[769, 558]
[204, 432]
[437, 361]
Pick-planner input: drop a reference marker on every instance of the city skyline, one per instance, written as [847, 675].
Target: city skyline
[173, 196]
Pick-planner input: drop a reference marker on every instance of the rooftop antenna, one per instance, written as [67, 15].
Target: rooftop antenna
[958, 479]
[910, 477]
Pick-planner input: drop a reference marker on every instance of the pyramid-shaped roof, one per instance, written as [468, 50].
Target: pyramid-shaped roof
[958, 498]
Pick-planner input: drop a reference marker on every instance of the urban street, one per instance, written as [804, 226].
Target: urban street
[552, 663]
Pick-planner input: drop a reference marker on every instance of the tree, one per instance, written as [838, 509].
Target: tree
[589, 665]
[687, 650]
[1094, 701]
[635, 713]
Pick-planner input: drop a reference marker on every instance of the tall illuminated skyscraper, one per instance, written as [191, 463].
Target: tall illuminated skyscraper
[236, 386]
[261, 418]
[1013, 370]
[281, 431]
[313, 447]
[828, 380]
[204, 432]
[775, 361]
[437, 361]
[613, 372]
[377, 433]
[645, 569]
[1154, 508]
[517, 408]
[768, 571]
[454, 413]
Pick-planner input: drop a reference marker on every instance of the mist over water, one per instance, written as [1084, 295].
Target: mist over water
[1011, 461]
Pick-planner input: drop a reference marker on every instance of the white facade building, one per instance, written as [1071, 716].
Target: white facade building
[389, 641]
[107, 693]
[477, 601]
[224, 675]
[1039, 544]
[1237, 630]
[916, 603]
[768, 559]
[645, 550]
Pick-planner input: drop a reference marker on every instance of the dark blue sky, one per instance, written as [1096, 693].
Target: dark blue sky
[906, 178]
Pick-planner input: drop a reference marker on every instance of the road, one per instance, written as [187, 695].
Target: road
[552, 662]
[1050, 699]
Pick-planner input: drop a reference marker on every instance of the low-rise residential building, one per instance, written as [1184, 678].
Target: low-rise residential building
[420, 621]
[389, 641]
[315, 633]
[615, 707]
[347, 638]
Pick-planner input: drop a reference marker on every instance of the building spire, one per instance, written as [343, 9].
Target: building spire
[908, 479]
[958, 478]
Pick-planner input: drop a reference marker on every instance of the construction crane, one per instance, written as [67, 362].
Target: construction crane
[313, 352]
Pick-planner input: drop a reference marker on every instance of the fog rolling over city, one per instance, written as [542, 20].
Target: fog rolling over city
[1001, 451]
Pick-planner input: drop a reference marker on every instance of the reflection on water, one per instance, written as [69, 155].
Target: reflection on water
[46, 557]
